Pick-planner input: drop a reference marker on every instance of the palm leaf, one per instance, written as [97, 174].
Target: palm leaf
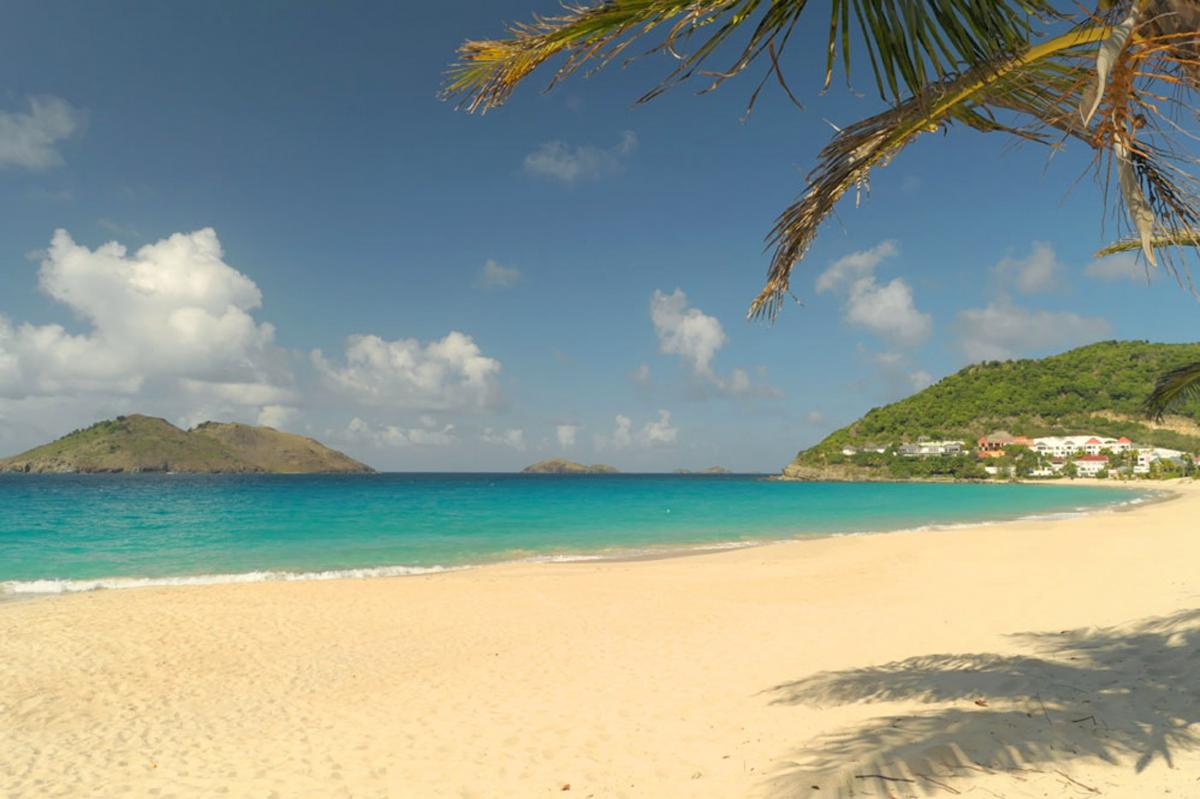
[908, 42]
[1046, 92]
[1173, 389]
[1180, 239]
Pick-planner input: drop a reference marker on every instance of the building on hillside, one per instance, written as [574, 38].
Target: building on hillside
[992, 446]
[1065, 446]
[925, 448]
[1090, 465]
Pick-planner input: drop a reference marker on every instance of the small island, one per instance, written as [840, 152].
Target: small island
[563, 466]
[138, 443]
[709, 470]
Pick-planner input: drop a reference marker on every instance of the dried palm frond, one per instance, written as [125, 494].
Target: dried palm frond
[908, 42]
[1181, 239]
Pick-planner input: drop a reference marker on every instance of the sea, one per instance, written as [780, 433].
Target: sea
[64, 533]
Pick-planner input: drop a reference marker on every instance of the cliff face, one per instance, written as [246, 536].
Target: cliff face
[562, 466]
[139, 443]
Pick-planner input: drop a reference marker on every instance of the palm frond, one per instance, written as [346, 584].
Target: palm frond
[909, 42]
[1180, 239]
[1046, 92]
[1173, 389]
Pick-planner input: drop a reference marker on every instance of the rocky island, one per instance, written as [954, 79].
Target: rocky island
[138, 443]
[563, 466]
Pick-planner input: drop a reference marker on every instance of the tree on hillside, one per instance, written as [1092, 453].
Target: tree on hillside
[1119, 80]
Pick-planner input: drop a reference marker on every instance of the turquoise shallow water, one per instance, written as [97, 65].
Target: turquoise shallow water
[75, 532]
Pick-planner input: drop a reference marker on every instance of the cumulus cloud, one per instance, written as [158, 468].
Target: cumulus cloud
[687, 332]
[496, 276]
[696, 338]
[1122, 266]
[29, 139]
[428, 434]
[277, 416]
[1039, 272]
[850, 268]
[559, 161]
[174, 310]
[1002, 331]
[450, 373]
[887, 310]
[514, 438]
[654, 433]
[566, 434]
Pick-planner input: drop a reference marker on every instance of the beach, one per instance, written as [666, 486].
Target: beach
[1043, 657]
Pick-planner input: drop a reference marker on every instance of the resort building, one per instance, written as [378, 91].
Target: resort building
[992, 446]
[930, 449]
[1065, 446]
[1090, 465]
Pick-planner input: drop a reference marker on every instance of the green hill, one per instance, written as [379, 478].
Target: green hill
[139, 443]
[1095, 389]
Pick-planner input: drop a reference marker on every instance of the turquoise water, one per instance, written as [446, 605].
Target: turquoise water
[74, 532]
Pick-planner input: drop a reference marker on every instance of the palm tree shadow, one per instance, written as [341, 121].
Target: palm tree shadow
[1122, 695]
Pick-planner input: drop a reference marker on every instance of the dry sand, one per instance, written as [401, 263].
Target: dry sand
[1030, 658]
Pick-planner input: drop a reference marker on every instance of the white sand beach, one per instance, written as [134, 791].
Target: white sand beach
[1033, 658]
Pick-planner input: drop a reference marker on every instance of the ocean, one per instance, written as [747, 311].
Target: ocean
[63, 533]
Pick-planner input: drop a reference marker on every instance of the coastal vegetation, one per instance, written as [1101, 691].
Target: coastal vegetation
[1098, 389]
[563, 466]
[138, 443]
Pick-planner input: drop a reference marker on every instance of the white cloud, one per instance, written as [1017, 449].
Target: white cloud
[514, 438]
[696, 338]
[687, 332]
[1002, 331]
[496, 276]
[660, 432]
[1122, 266]
[654, 433]
[174, 310]
[559, 161]
[856, 265]
[384, 436]
[814, 418]
[1040, 272]
[28, 139]
[887, 310]
[566, 434]
[641, 375]
[447, 374]
[277, 416]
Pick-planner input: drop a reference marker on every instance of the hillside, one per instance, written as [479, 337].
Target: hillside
[563, 466]
[1096, 389]
[139, 443]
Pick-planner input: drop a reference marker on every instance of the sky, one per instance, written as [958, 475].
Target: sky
[263, 212]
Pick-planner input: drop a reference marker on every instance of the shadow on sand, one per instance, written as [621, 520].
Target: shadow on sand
[1125, 696]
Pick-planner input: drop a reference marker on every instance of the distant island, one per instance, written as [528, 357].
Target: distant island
[709, 470]
[138, 443]
[1074, 414]
[563, 466]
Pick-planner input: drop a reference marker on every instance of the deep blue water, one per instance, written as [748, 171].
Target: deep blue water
[67, 530]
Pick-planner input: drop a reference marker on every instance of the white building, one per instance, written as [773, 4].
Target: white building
[1066, 446]
[1090, 465]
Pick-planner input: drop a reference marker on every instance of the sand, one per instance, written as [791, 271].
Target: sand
[1034, 658]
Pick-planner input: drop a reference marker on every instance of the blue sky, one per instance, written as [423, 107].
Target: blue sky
[320, 227]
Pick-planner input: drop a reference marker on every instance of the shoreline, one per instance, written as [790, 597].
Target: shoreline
[50, 587]
[1018, 659]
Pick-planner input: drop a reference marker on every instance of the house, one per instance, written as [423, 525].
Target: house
[1090, 465]
[992, 446]
[924, 448]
